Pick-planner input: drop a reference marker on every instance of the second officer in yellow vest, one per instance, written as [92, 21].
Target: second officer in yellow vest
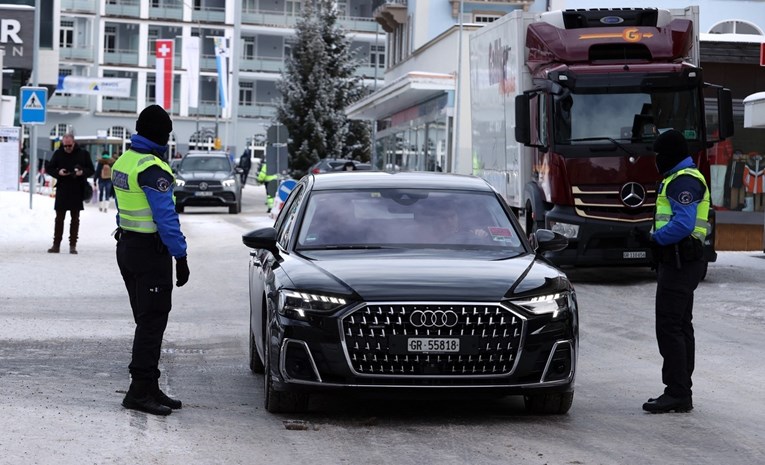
[148, 238]
[680, 228]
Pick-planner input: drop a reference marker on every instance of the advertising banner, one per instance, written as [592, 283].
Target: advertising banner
[107, 87]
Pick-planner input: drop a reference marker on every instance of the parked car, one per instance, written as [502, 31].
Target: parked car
[206, 179]
[327, 164]
[408, 281]
[357, 166]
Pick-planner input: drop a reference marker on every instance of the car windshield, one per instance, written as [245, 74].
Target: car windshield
[406, 218]
[205, 164]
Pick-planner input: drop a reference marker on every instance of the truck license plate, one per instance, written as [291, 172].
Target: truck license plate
[640, 254]
[433, 344]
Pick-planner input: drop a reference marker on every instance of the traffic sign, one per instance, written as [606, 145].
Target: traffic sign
[33, 101]
[285, 188]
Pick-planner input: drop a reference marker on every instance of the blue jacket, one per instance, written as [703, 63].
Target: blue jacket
[684, 194]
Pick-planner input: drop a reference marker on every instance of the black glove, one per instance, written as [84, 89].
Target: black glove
[181, 271]
[642, 236]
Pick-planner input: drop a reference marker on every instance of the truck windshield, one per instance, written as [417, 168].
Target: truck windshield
[625, 117]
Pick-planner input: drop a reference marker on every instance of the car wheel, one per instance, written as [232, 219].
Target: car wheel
[280, 401]
[256, 364]
[179, 208]
[233, 209]
[549, 404]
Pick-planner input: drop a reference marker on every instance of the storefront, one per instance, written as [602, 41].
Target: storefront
[737, 165]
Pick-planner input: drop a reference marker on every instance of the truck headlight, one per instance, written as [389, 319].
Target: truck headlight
[296, 304]
[570, 231]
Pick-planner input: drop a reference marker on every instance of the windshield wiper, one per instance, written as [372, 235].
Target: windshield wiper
[613, 141]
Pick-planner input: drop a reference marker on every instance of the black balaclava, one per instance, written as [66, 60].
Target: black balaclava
[671, 148]
[154, 124]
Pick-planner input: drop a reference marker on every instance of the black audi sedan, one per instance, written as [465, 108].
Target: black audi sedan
[408, 282]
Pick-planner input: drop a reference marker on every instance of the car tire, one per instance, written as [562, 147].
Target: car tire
[178, 208]
[557, 403]
[256, 364]
[233, 209]
[280, 401]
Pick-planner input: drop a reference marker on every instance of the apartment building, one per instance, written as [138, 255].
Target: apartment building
[116, 38]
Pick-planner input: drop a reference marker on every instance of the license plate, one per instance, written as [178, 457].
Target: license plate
[203, 194]
[640, 254]
[433, 344]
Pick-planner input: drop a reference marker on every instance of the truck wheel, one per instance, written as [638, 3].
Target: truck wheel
[549, 404]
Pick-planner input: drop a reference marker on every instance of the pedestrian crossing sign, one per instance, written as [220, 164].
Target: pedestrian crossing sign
[33, 102]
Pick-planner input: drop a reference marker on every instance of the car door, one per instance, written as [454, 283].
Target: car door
[262, 263]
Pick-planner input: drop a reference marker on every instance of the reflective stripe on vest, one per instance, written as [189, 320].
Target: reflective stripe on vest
[133, 206]
[702, 228]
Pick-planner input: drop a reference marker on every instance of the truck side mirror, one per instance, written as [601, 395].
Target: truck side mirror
[522, 131]
[725, 113]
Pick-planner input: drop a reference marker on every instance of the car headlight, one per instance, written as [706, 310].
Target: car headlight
[554, 304]
[296, 304]
[229, 182]
[179, 182]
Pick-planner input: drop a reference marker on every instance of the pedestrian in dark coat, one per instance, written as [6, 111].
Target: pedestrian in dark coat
[71, 166]
[245, 162]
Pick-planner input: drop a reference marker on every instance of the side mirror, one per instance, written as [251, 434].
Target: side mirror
[548, 241]
[263, 238]
[238, 170]
[522, 130]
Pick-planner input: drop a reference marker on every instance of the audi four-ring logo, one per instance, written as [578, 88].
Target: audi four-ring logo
[433, 318]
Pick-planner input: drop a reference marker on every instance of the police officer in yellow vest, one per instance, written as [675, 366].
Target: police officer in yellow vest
[148, 237]
[270, 182]
[680, 228]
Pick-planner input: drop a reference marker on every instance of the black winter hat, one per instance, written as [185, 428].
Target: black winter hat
[154, 124]
[671, 148]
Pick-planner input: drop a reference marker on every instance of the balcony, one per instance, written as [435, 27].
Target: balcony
[174, 12]
[284, 19]
[266, 64]
[68, 102]
[390, 15]
[119, 105]
[257, 110]
[128, 8]
[79, 6]
[77, 53]
[209, 14]
[121, 57]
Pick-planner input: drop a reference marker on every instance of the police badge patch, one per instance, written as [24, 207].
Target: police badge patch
[163, 185]
[685, 197]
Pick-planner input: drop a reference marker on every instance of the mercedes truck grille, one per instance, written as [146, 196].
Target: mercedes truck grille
[630, 204]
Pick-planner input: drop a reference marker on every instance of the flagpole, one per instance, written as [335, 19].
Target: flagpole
[33, 129]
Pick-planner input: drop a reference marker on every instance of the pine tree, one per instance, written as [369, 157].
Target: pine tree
[318, 82]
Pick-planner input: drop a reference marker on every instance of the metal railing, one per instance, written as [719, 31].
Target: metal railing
[119, 105]
[124, 8]
[121, 57]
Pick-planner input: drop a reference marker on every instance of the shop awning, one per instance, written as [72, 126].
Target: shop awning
[754, 111]
[405, 92]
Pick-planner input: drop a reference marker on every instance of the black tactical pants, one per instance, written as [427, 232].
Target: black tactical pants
[674, 326]
[147, 270]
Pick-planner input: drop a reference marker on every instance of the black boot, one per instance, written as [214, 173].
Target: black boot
[139, 397]
[666, 404]
[164, 399]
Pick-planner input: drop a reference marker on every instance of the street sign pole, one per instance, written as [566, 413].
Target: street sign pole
[33, 129]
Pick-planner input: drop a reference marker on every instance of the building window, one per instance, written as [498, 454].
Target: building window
[485, 18]
[377, 56]
[153, 35]
[248, 48]
[151, 88]
[245, 93]
[294, 7]
[110, 39]
[66, 37]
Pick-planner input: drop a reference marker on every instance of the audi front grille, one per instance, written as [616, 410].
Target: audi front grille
[375, 338]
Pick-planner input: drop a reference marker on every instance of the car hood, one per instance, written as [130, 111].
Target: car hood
[204, 175]
[421, 277]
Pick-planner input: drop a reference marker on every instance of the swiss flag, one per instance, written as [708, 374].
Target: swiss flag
[164, 78]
